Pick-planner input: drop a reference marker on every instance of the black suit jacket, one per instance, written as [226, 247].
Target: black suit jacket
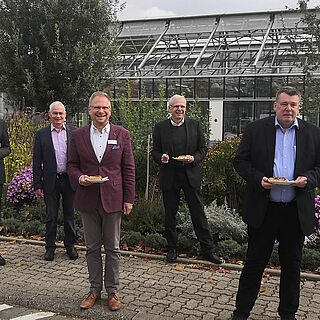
[4, 148]
[44, 160]
[254, 160]
[195, 146]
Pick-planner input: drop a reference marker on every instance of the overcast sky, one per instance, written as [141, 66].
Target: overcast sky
[136, 9]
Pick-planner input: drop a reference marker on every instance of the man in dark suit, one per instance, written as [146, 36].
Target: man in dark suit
[182, 136]
[102, 149]
[4, 151]
[280, 146]
[51, 180]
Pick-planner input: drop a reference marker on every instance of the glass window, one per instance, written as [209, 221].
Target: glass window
[147, 88]
[109, 88]
[173, 87]
[121, 88]
[134, 88]
[187, 88]
[236, 117]
[263, 87]
[232, 87]
[263, 109]
[277, 83]
[246, 87]
[159, 89]
[202, 88]
[216, 87]
[297, 82]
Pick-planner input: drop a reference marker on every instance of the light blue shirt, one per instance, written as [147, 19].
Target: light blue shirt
[284, 161]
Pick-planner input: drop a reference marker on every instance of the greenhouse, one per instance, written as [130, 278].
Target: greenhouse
[231, 64]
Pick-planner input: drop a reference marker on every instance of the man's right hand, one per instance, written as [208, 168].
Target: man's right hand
[84, 180]
[39, 193]
[265, 184]
[165, 158]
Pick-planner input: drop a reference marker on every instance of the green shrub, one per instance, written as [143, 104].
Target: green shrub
[155, 241]
[186, 244]
[13, 225]
[225, 223]
[220, 180]
[133, 238]
[34, 227]
[310, 259]
[228, 249]
[147, 217]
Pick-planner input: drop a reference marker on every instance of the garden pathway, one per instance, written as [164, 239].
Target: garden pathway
[150, 287]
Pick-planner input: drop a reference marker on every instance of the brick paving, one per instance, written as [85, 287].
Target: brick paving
[150, 288]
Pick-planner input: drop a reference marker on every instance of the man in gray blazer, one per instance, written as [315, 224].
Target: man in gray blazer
[285, 147]
[4, 151]
[174, 137]
[50, 179]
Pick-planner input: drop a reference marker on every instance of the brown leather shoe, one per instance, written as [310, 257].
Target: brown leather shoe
[114, 302]
[90, 300]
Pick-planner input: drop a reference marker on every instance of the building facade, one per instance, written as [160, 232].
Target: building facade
[231, 64]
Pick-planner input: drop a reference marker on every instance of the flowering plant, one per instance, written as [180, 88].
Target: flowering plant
[313, 237]
[20, 190]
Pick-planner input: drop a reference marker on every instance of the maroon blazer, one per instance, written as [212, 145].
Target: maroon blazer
[117, 164]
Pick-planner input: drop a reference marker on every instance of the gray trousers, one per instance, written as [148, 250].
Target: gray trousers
[100, 228]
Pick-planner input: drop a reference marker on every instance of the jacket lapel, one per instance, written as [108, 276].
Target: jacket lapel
[270, 134]
[113, 135]
[299, 147]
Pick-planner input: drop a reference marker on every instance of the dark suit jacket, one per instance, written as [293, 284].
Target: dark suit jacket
[44, 159]
[196, 146]
[117, 164]
[4, 148]
[255, 157]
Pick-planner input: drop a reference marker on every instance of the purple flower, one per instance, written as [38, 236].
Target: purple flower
[20, 190]
[313, 237]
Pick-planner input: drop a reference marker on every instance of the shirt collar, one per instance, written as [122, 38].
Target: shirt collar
[53, 128]
[177, 124]
[294, 124]
[104, 130]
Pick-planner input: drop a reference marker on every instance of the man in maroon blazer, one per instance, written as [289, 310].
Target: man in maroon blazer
[103, 149]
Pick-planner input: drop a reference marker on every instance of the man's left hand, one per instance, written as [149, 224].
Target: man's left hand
[189, 159]
[127, 208]
[301, 182]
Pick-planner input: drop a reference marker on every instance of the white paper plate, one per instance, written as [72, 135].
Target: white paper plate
[101, 181]
[282, 183]
[179, 159]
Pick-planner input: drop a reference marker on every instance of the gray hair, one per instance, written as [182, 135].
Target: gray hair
[57, 103]
[96, 94]
[176, 96]
[290, 91]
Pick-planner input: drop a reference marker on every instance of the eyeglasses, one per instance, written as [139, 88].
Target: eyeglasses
[284, 105]
[104, 108]
[178, 106]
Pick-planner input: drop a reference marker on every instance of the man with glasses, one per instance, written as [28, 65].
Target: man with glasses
[179, 146]
[288, 149]
[102, 150]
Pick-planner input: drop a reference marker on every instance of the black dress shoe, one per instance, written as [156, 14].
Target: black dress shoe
[72, 253]
[236, 317]
[49, 255]
[2, 261]
[288, 317]
[172, 255]
[210, 256]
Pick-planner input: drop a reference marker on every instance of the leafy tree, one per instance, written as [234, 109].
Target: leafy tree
[306, 50]
[56, 50]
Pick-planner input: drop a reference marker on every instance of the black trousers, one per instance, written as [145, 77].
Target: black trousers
[193, 196]
[62, 190]
[282, 224]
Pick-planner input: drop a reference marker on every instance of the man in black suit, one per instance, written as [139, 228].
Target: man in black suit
[175, 137]
[51, 180]
[4, 151]
[280, 146]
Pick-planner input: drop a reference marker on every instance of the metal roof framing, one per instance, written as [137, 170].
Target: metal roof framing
[216, 45]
